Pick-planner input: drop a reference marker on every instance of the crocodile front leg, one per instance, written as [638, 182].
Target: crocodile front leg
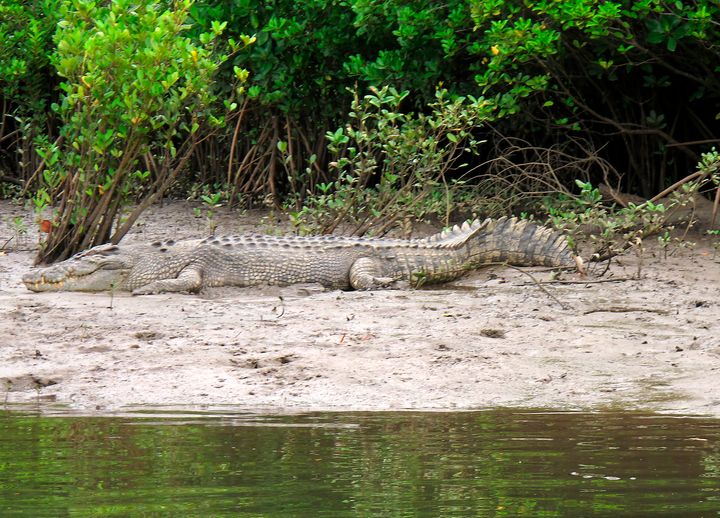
[189, 279]
[366, 274]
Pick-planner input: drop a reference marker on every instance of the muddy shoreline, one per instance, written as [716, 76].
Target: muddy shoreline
[491, 339]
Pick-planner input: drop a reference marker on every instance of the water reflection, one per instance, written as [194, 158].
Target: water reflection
[228, 463]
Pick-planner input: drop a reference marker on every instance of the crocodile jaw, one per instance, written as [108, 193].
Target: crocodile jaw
[98, 280]
[100, 268]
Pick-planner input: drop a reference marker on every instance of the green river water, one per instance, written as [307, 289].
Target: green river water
[227, 462]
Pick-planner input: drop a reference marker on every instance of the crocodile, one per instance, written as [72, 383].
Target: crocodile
[335, 262]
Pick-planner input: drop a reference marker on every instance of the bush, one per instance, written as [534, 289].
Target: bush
[636, 78]
[610, 230]
[634, 82]
[136, 92]
[27, 82]
[393, 165]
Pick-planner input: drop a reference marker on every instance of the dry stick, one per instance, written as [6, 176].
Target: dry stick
[108, 219]
[673, 187]
[292, 170]
[152, 198]
[234, 141]
[309, 182]
[693, 142]
[150, 163]
[10, 179]
[620, 309]
[596, 281]
[676, 185]
[257, 155]
[11, 134]
[624, 129]
[249, 163]
[614, 193]
[310, 151]
[272, 170]
[62, 233]
[103, 216]
[102, 208]
[258, 182]
[247, 160]
[3, 115]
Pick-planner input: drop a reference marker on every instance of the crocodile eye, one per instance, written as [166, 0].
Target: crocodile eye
[99, 251]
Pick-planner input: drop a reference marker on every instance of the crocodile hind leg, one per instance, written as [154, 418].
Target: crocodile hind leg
[366, 274]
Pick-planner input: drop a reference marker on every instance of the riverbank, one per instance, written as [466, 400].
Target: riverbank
[491, 339]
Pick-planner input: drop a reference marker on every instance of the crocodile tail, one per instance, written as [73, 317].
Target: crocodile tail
[518, 242]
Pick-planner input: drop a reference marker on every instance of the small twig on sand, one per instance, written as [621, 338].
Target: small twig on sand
[281, 311]
[621, 309]
[540, 286]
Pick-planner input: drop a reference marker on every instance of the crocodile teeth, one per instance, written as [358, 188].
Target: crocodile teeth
[53, 284]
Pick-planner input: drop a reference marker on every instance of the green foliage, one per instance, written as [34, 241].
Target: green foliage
[135, 85]
[588, 209]
[550, 68]
[19, 231]
[613, 35]
[130, 67]
[709, 166]
[26, 30]
[621, 68]
[212, 197]
[417, 45]
[715, 234]
[393, 165]
[636, 80]
[9, 190]
[609, 230]
[297, 54]
[612, 230]
[26, 81]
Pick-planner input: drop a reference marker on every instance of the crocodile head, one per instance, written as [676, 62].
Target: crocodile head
[100, 268]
